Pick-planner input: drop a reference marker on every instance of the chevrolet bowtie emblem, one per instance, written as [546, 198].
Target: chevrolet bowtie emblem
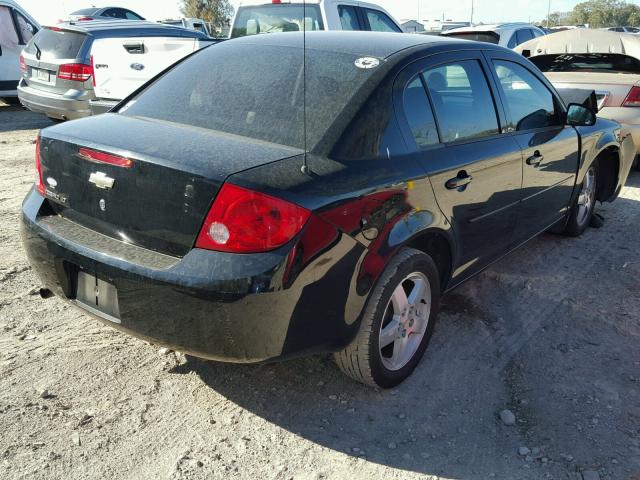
[100, 180]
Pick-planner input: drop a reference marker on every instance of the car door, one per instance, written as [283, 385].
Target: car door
[550, 148]
[475, 170]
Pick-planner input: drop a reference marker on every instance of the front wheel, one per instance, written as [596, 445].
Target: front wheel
[584, 205]
[397, 323]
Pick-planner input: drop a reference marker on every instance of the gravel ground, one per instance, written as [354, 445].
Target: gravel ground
[550, 333]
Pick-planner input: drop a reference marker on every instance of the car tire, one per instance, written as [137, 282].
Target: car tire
[406, 321]
[584, 205]
[636, 163]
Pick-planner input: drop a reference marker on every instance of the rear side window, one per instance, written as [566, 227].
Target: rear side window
[256, 91]
[56, 44]
[528, 100]
[276, 18]
[524, 35]
[587, 62]
[129, 15]
[25, 28]
[419, 115]
[348, 17]
[380, 22]
[462, 101]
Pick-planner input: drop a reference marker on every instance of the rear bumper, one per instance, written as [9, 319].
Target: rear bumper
[101, 105]
[70, 106]
[236, 308]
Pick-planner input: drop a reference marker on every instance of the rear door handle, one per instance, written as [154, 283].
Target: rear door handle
[536, 159]
[459, 182]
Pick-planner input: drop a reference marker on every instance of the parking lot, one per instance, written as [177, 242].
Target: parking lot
[550, 333]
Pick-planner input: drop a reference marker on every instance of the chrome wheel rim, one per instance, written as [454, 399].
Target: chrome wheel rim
[587, 196]
[405, 321]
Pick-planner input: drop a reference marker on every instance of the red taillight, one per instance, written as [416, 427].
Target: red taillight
[78, 72]
[39, 181]
[85, 19]
[102, 157]
[633, 98]
[244, 221]
[23, 65]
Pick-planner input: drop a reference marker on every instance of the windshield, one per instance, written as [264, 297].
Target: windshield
[590, 62]
[487, 37]
[276, 18]
[256, 91]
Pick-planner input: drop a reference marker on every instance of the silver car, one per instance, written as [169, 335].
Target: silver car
[104, 13]
[508, 35]
[63, 69]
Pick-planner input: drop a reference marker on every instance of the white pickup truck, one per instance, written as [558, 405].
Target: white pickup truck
[262, 16]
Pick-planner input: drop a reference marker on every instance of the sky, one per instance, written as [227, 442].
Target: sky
[49, 11]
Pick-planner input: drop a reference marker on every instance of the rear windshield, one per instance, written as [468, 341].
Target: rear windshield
[276, 18]
[587, 62]
[55, 44]
[487, 37]
[256, 91]
[85, 11]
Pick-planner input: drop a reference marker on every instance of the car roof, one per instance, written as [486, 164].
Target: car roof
[583, 40]
[129, 27]
[371, 44]
[490, 27]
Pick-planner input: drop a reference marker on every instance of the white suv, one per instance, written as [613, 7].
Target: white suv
[254, 17]
[508, 35]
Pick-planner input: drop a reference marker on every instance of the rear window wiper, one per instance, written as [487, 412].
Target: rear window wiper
[38, 51]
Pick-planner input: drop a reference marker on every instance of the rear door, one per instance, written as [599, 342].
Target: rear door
[122, 65]
[475, 169]
[550, 148]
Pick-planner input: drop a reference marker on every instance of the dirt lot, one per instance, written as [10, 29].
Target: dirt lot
[552, 333]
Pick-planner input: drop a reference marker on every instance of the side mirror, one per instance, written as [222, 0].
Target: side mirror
[580, 116]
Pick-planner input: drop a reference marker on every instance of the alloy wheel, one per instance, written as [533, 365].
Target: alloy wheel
[405, 321]
[587, 197]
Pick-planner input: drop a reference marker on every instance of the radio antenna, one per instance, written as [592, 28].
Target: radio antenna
[305, 166]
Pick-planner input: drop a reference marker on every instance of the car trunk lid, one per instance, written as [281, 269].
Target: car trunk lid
[161, 198]
[611, 88]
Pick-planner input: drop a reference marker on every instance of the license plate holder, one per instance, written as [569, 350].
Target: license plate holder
[98, 297]
[43, 75]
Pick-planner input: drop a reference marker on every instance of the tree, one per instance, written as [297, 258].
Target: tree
[216, 12]
[606, 13]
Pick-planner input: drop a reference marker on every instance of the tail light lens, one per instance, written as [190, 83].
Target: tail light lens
[23, 65]
[39, 181]
[78, 72]
[633, 98]
[85, 19]
[244, 221]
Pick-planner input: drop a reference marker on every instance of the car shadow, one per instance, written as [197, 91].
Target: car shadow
[16, 118]
[488, 353]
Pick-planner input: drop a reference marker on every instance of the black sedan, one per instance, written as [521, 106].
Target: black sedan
[269, 198]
